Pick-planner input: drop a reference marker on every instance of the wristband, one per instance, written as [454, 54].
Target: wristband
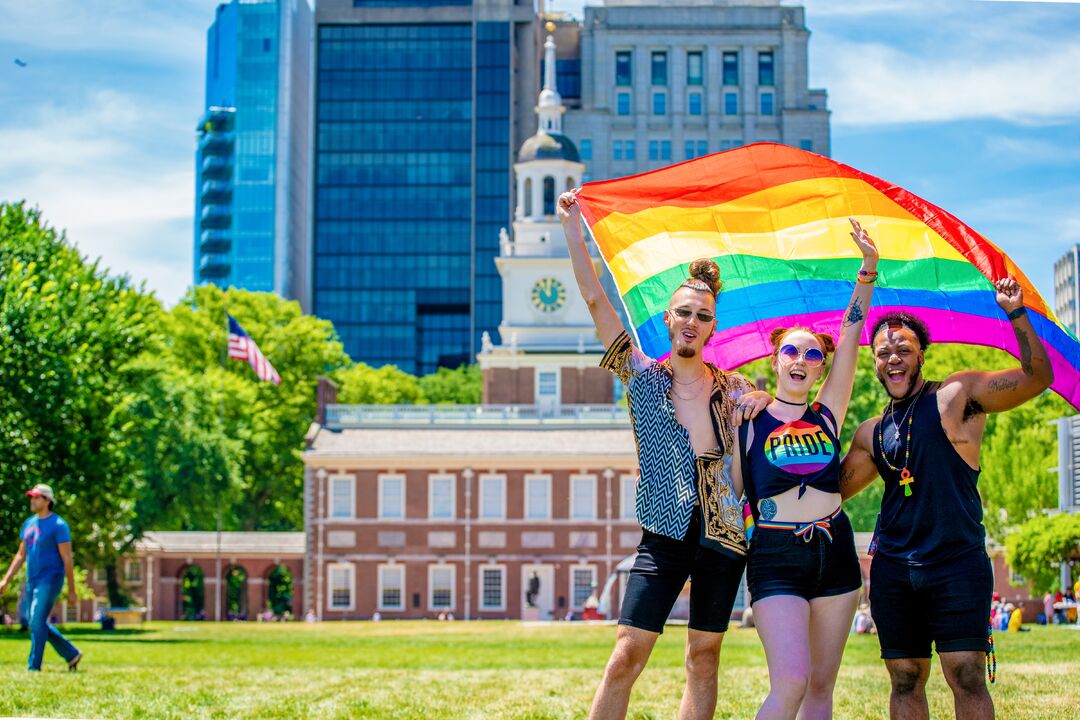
[864, 273]
[1018, 312]
[867, 280]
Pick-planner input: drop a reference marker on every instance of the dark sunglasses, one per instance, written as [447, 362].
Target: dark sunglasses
[684, 314]
[812, 356]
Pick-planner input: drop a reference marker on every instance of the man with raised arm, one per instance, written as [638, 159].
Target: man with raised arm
[681, 411]
[930, 579]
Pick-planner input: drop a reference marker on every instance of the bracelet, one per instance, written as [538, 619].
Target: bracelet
[1018, 312]
[869, 280]
[867, 272]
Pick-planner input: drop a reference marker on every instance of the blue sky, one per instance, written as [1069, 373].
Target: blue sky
[973, 105]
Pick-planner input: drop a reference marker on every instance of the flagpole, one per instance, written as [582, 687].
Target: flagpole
[219, 585]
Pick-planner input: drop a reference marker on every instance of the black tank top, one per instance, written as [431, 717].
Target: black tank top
[942, 517]
[801, 453]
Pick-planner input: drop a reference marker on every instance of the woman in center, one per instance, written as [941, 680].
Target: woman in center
[802, 569]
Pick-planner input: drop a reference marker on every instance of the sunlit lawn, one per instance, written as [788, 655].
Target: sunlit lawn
[456, 670]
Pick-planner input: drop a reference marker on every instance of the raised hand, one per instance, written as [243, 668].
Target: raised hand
[567, 207]
[1009, 295]
[864, 242]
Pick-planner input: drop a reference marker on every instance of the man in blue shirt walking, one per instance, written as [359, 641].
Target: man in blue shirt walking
[45, 547]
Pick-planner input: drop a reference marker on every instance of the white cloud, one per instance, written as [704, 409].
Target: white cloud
[874, 84]
[91, 172]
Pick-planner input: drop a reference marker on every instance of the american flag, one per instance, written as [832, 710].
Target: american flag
[242, 347]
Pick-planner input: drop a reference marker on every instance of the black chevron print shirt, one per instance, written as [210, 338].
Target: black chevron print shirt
[669, 482]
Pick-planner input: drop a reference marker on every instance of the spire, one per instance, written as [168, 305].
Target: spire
[550, 107]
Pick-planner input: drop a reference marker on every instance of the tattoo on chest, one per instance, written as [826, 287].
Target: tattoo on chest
[768, 509]
[855, 313]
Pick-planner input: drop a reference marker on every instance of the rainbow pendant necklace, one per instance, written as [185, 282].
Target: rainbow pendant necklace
[906, 478]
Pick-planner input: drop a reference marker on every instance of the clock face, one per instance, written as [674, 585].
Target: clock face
[548, 295]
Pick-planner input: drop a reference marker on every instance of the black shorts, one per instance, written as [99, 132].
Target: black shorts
[947, 604]
[783, 563]
[662, 567]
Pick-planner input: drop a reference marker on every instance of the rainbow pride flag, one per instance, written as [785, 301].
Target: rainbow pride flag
[776, 221]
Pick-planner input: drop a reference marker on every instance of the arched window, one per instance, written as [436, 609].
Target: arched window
[279, 592]
[236, 607]
[528, 197]
[570, 184]
[549, 195]
[192, 593]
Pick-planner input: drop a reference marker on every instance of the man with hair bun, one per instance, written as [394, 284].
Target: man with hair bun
[930, 579]
[681, 411]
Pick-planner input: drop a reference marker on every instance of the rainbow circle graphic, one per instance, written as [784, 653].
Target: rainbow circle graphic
[799, 447]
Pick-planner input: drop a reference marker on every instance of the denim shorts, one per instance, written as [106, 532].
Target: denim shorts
[660, 572]
[810, 565]
[947, 603]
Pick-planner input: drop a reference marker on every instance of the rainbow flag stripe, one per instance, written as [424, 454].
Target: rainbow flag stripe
[776, 221]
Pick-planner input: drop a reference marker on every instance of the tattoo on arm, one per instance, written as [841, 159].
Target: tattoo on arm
[1002, 384]
[855, 313]
[768, 509]
[1025, 351]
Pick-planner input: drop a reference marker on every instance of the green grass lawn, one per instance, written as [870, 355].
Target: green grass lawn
[457, 670]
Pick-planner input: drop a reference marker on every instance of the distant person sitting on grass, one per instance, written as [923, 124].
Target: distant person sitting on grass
[45, 547]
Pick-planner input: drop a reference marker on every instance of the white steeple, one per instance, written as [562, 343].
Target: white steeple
[550, 108]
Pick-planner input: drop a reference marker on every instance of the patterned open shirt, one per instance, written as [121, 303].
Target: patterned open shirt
[672, 477]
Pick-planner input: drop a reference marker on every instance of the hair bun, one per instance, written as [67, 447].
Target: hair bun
[708, 272]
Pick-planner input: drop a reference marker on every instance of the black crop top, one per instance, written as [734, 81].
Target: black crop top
[803, 453]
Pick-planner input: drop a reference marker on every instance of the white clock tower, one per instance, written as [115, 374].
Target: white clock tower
[546, 329]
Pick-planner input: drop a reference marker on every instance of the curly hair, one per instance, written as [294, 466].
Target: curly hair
[704, 276]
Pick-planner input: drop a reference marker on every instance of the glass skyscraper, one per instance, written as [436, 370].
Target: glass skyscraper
[415, 124]
[251, 224]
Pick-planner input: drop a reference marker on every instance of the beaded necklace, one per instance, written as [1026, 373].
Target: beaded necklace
[906, 478]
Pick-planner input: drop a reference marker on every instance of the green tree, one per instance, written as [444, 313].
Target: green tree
[461, 386]
[1039, 546]
[364, 385]
[249, 457]
[67, 330]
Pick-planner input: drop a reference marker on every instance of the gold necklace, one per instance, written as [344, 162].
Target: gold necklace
[695, 394]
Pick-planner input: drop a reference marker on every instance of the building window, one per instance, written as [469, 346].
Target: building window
[731, 68]
[340, 578]
[702, 148]
[628, 497]
[586, 149]
[665, 149]
[492, 587]
[441, 587]
[624, 74]
[582, 582]
[441, 497]
[654, 149]
[547, 384]
[342, 497]
[549, 195]
[134, 571]
[659, 103]
[688, 150]
[492, 497]
[731, 103]
[630, 150]
[694, 68]
[807, 145]
[766, 103]
[616, 150]
[537, 497]
[391, 587]
[766, 72]
[622, 101]
[582, 497]
[391, 497]
[694, 103]
[659, 68]
[528, 197]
